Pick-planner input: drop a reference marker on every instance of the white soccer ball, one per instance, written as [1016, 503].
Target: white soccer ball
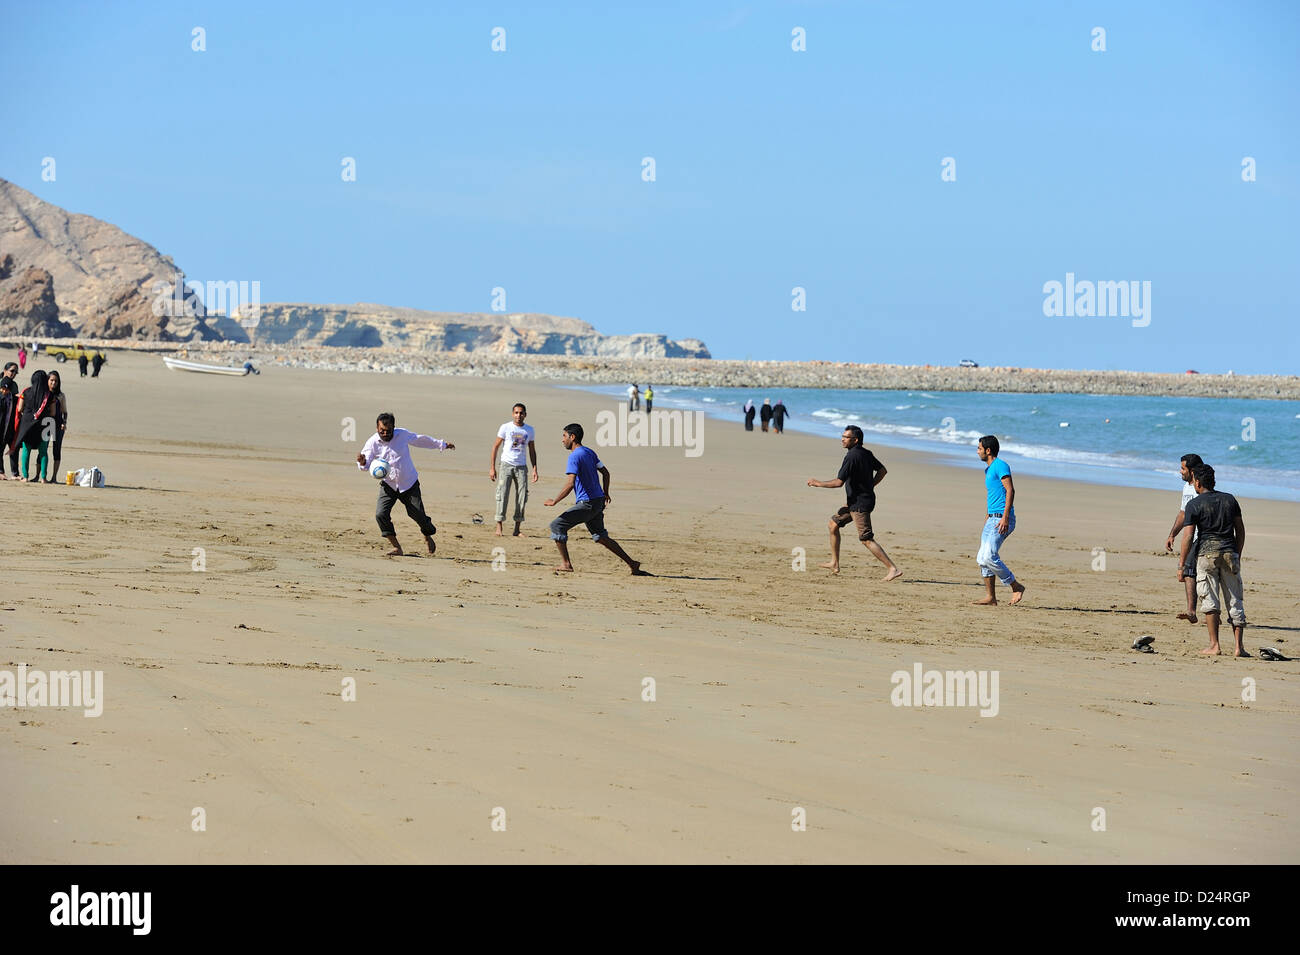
[379, 470]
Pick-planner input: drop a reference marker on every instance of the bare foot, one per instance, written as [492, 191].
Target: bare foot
[1241, 653]
[1189, 617]
[395, 552]
[517, 531]
[431, 545]
[1017, 591]
[893, 574]
[564, 569]
[635, 567]
[986, 602]
[497, 532]
[1211, 651]
[831, 566]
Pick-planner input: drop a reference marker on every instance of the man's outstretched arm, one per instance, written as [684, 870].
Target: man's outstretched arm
[424, 441]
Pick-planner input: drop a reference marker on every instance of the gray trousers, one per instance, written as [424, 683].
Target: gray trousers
[508, 474]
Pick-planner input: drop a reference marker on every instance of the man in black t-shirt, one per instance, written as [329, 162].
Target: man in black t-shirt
[1221, 535]
[859, 475]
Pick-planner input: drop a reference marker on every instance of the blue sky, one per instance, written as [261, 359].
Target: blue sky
[774, 168]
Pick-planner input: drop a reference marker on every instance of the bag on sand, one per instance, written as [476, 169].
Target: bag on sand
[89, 477]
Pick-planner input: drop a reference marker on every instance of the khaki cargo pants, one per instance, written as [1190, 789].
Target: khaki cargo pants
[1218, 579]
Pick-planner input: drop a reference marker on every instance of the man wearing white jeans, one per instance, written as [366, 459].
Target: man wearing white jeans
[998, 525]
[515, 436]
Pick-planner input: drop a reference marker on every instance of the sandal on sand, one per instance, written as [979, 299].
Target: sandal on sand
[1271, 654]
[1143, 644]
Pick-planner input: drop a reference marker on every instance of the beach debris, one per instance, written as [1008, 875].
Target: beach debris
[1143, 644]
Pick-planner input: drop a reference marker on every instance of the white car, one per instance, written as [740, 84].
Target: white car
[967, 363]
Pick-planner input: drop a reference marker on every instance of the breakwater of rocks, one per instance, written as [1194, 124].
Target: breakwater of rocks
[723, 373]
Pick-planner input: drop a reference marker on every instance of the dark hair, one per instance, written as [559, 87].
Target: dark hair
[575, 430]
[519, 404]
[1193, 461]
[387, 418]
[990, 443]
[854, 430]
[11, 364]
[1204, 476]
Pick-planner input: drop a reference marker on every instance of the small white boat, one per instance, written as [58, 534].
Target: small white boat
[183, 365]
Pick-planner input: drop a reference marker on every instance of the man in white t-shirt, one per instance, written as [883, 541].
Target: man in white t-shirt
[1186, 574]
[519, 448]
[633, 398]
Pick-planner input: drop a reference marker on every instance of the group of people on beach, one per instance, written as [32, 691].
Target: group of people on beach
[1210, 521]
[861, 471]
[585, 476]
[33, 422]
[634, 395]
[769, 414]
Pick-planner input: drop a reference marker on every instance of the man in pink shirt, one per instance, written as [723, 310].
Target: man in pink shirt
[392, 445]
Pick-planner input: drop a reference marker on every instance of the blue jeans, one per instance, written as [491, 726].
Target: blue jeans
[990, 541]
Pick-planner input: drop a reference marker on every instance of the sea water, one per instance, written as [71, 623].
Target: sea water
[1131, 440]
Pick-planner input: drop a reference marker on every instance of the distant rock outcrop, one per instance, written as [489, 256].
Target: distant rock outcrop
[106, 285]
[370, 326]
[104, 279]
[27, 305]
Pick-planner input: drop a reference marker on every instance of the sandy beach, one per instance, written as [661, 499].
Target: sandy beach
[515, 689]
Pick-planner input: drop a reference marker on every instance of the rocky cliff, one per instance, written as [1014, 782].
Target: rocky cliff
[371, 326]
[27, 306]
[104, 280]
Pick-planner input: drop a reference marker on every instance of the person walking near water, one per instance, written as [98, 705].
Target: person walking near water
[766, 414]
[649, 398]
[633, 398]
[749, 415]
[1000, 521]
[1186, 465]
[516, 436]
[392, 445]
[859, 474]
[1221, 539]
[585, 471]
[778, 416]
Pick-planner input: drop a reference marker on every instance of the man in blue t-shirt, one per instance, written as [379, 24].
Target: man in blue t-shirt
[585, 472]
[999, 522]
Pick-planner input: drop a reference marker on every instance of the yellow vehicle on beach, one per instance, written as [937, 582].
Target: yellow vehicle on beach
[62, 353]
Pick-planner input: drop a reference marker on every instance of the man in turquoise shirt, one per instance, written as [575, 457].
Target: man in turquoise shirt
[998, 525]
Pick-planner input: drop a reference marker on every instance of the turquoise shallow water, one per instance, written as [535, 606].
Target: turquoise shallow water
[1254, 446]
